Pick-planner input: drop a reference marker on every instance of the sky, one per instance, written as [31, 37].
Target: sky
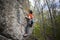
[56, 0]
[32, 2]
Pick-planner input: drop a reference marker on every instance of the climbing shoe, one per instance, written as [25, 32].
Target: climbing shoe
[25, 35]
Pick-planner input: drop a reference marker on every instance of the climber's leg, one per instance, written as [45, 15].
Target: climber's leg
[26, 29]
[31, 23]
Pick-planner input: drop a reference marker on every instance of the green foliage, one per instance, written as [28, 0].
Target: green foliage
[58, 27]
[37, 32]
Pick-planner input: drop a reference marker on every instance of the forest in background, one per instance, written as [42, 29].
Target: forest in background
[46, 19]
[48, 15]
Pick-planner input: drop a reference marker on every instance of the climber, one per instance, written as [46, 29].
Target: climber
[29, 18]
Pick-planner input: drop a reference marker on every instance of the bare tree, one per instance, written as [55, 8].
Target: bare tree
[40, 8]
[52, 17]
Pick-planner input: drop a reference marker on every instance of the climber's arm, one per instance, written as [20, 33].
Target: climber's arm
[26, 18]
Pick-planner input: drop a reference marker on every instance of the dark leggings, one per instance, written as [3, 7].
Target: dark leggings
[27, 27]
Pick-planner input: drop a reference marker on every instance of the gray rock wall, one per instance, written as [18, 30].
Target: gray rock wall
[12, 19]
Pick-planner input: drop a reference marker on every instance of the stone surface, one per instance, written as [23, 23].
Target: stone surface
[12, 19]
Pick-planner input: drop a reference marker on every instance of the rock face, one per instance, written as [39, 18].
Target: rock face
[12, 20]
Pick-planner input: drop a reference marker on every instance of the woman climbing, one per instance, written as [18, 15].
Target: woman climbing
[29, 19]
